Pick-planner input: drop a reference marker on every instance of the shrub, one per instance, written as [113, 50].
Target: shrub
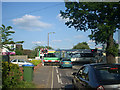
[35, 62]
[10, 75]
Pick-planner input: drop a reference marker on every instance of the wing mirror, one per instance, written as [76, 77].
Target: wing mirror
[74, 73]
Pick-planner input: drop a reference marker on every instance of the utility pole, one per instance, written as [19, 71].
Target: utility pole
[48, 38]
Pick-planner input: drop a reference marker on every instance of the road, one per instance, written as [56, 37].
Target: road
[54, 77]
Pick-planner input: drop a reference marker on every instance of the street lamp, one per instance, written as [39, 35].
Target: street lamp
[48, 37]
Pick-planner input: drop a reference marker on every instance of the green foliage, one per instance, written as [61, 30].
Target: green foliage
[102, 18]
[10, 75]
[19, 51]
[25, 84]
[20, 42]
[6, 33]
[35, 62]
[82, 45]
[33, 54]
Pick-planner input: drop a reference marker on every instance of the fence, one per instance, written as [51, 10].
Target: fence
[25, 57]
[5, 57]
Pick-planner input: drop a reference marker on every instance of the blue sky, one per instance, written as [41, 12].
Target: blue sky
[32, 21]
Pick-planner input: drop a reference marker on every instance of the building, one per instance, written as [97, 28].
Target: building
[11, 50]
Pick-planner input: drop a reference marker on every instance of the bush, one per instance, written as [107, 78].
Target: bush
[35, 62]
[11, 75]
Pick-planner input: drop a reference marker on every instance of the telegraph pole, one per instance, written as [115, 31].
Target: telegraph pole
[48, 37]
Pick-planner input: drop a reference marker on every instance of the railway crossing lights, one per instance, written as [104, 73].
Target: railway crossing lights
[43, 51]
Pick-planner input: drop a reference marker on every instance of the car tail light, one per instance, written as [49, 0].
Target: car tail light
[100, 88]
[71, 62]
[61, 62]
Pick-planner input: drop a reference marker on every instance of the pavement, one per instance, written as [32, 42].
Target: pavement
[41, 77]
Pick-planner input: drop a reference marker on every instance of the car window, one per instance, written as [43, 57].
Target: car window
[14, 60]
[20, 60]
[109, 73]
[83, 73]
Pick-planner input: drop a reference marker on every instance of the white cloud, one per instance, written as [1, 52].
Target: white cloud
[29, 22]
[56, 40]
[61, 19]
[90, 41]
[38, 42]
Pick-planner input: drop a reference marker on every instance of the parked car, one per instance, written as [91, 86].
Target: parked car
[20, 62]
[65, 63]
[97, 76]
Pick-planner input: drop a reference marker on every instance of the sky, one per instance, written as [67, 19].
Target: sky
[32, 21]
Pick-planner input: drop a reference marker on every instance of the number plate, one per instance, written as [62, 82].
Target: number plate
[66, 62]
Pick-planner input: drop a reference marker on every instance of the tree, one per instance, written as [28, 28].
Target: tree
[102, 18]
[82, 45]
[19, 51]
[6, 33]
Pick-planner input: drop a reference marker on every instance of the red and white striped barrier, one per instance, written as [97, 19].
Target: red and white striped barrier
[50, 61]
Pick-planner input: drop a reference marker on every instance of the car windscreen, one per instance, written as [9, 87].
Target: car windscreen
[108, 74]
[66, 60]
[50, 55]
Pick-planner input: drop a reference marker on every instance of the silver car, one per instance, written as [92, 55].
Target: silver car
[20, 62]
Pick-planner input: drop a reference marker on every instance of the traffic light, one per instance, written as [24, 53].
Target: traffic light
[93, 50]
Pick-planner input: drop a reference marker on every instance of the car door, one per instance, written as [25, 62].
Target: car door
[20, 62]
[85, 77]
[77, 79]
[82, 78]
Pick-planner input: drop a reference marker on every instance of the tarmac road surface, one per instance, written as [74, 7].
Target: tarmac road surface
[54, 77]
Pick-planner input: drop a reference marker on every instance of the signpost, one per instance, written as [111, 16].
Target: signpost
[42, 52]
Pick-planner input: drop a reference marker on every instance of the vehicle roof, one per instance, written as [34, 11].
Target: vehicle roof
[100, 64]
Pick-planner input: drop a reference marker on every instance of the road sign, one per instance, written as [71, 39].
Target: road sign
[43, 51]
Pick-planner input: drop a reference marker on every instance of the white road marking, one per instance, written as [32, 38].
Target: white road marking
[58, 78]
[61, 81]
[60, 75]
[52, 78]
[56, 70]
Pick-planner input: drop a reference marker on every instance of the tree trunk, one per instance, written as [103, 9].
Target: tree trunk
[109, 56]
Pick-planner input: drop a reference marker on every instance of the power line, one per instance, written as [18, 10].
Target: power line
[48, 7]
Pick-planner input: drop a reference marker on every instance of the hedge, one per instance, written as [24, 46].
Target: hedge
[35, 62]
[11, 75]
